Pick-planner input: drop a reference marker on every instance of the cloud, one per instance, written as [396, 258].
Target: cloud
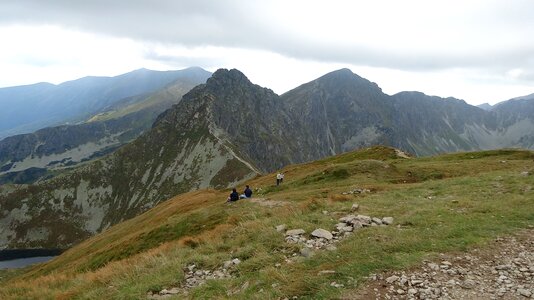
[478, 50]
[407, 35]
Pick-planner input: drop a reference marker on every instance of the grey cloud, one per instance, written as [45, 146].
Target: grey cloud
[234, 23]
[177, 61]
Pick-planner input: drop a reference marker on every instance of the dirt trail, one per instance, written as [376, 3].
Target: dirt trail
[503, 270]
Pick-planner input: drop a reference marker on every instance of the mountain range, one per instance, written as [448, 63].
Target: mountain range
[229, 129]
[26, 158]
[28, 108]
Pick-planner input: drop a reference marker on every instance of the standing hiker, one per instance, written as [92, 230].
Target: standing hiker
[278, 179]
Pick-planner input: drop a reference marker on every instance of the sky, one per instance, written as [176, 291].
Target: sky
[476, 50]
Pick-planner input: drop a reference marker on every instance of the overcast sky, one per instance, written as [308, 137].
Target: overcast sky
[476, 50]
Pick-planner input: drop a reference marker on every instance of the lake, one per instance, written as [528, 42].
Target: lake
[23, 262]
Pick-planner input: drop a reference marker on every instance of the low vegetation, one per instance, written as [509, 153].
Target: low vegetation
[439, 204]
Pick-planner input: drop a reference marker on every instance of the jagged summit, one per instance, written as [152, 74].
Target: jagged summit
[232, 74]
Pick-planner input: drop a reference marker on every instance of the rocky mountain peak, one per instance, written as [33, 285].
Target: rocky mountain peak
[345, 78]
[228, 77]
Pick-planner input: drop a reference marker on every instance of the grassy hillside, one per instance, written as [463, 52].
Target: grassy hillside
[439, 204]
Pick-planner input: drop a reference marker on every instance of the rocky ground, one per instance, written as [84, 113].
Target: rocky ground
[319, 239]
[504, 270]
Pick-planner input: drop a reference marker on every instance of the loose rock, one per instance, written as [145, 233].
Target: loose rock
[387, 220]
[294, 232]
[321, 233]
[281, 227]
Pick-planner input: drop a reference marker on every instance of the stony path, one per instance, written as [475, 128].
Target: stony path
[504, 270]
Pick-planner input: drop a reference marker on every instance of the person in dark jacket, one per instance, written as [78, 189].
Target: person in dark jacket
[234, 196]
[247, 193]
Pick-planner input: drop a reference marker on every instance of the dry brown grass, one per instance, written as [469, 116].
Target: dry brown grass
[62, 279]
[340, 198]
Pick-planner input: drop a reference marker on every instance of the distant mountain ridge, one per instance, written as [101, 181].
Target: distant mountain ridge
[28, 157]
[230, 129]
[28, 108]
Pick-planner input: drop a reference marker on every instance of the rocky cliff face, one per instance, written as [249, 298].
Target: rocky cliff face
[340, 112]
[185, 149]
[425, 125]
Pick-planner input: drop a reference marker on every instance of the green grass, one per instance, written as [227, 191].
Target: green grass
[441, 204]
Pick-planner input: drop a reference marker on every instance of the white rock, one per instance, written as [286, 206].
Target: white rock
[355, 207]
[468, 284]
[281, 227]
[341, 225]
[416, 282]
[294, 232]
[357, 224]
[524, 292]
[392, 279]
[347, 219]
[346, 229]
[321, 233]
[376, 221]
[227, 264]
[387, 220]
[236, 261]
[363, 219]
[503, 267]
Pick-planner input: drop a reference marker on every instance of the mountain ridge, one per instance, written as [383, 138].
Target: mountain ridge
[53, 149]
[29, 108]
[229, 129]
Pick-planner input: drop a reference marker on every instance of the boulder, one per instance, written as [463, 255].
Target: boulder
[364, 219]
[377, 221]
[346, 229]
[392, 279]
[321, 233]
[347, 219]
[387, 220]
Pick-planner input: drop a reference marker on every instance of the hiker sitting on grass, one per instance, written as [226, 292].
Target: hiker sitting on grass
[247, 193]
[234, 196]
